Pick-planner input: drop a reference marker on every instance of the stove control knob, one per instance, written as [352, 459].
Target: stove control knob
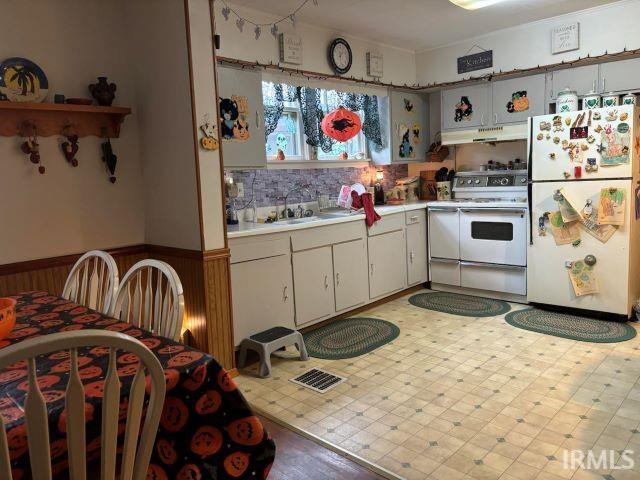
[477, 181]
[504, 181]
[469, 182]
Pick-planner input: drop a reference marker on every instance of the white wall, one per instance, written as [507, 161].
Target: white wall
[606, 28]
[399, 64]
[206, 104]
[70, 210]
[159, 62]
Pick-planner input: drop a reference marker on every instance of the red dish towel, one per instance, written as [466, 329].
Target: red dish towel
[365, 201]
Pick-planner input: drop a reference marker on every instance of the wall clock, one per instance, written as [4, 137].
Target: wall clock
[340, 56]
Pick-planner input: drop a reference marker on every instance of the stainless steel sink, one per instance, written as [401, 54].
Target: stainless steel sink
[337, 214]
[294, 221]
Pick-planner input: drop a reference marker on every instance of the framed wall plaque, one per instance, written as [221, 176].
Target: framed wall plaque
[565, 38]
[290, 48]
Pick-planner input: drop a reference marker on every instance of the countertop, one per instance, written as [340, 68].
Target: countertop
[249, 229]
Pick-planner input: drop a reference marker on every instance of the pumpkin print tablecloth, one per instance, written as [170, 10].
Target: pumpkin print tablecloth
[207, 430]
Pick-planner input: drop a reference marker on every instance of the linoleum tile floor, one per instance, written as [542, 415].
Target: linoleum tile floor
[467, 398]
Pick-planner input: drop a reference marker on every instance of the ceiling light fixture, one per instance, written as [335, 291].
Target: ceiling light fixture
[475, 4]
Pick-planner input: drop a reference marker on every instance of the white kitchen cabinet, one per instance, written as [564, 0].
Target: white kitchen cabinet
[620, 76]
[262, 295]
[477, 96]
[444, 233]
[313, 284]
[581, 79]
[504, 91]
[387, 263]
[350, 274]
[409, 127]
[417, 248]
[247, 85]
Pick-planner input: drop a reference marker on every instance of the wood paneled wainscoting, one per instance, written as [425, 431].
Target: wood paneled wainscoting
[204, 277]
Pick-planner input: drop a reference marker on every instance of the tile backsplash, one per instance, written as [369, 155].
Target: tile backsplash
[270, 184]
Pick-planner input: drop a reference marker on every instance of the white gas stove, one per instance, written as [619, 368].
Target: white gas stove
[477, 240]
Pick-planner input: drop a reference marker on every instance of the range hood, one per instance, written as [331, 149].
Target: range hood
[505, 133]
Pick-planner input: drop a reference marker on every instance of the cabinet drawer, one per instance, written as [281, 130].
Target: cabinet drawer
[260, 246]
[505, 278]
[415, 216]
[446, 272]
[387, 223]
[327, 235]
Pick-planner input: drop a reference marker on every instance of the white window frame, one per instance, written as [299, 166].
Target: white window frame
[304, 160]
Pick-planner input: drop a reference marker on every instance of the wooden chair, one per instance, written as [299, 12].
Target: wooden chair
[135, 455]
[150, 296]
[93, 281]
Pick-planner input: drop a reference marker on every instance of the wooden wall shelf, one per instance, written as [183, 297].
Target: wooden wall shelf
[47, 119]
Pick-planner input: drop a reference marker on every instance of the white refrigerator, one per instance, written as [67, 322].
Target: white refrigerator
[572, 157]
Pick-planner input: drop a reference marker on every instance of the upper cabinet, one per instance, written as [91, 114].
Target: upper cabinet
[516, 99]
[241, 118]
[409, 127]
[620, 76]
[466, 107]
[581, 79]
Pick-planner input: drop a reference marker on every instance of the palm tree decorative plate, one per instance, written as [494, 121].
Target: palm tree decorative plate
[21, 80]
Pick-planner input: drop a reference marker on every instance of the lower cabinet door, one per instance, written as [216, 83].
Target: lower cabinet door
[387, 263]
[313, 284]
[262, 296]
[416, 253]
[350, 274]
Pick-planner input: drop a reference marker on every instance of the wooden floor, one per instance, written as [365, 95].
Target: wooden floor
[299, 458]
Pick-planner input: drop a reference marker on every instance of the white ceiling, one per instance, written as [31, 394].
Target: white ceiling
[419, 24]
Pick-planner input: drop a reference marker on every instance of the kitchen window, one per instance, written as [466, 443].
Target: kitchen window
[287, 136]
[285, 120]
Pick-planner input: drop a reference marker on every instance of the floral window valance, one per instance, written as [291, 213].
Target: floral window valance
[314, 104]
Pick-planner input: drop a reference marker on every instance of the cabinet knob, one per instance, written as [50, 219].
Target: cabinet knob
[285, 297]
[495, 118]
[337, 278]
[372, 269]
[326, 282]
[411, 256]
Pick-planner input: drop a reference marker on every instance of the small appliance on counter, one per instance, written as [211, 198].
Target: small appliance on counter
[378, 191]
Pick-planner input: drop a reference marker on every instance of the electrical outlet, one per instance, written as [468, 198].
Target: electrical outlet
[240, 186]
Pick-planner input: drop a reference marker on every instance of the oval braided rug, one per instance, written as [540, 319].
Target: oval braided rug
[570, 326]
[349, 338]
[457, 304]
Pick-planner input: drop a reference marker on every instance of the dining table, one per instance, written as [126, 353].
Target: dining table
[207, 429]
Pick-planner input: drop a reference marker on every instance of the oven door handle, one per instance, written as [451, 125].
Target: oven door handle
[443, 260]
[492, 265]
[517, 211]
[443, 209]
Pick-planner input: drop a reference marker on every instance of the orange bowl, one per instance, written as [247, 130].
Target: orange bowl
[7, 316]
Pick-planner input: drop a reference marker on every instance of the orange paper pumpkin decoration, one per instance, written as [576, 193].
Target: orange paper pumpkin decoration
[341, 124]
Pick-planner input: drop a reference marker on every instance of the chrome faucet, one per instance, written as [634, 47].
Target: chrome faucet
[299, 188]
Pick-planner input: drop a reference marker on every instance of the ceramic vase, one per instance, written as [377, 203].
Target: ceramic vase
[103, 92]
